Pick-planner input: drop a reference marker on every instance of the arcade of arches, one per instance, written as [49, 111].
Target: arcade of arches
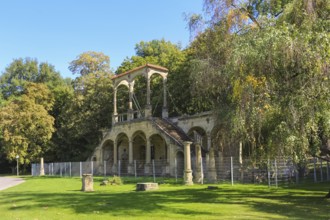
[137, 139]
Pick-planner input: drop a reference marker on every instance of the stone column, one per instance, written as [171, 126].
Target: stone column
[115, 157]
[212, 174]
[148, 157]
[148, 109]
[187, 164]
[115, 114]
[130, 102]
[42, 167]
[130, 157]
[198, 171]
[165, 109]
[168, 157]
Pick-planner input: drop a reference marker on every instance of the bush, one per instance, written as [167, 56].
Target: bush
[115, 180]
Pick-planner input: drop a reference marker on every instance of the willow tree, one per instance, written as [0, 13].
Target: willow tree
[268, 73]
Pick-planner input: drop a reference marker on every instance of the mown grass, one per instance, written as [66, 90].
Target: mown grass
[61, 198]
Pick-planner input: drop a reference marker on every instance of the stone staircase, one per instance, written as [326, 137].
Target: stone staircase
[175, 133]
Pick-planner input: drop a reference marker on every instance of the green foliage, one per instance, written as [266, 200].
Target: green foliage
[90, 62]
[22, 71]
[115, 180]
[270, 84]
[26, 126]
[86, 111]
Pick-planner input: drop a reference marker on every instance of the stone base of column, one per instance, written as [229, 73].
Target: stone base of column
[164, 112]
[130, 169]
[212, 175]
[148, 111]
[147, 169]
[198, 176]
[188, 178]
[114, 169]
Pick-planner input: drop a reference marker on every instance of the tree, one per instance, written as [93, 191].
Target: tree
[90, 62]
[87, 111]
[26, 126]
[22, 71]
[270, 84]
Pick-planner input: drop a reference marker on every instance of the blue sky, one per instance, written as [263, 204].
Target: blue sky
[59, 30]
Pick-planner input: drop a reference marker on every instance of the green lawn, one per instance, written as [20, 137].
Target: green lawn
[61, 198]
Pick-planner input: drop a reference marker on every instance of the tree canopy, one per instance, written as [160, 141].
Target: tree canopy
[268, 74]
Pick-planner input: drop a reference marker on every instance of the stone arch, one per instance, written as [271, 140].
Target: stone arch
[122, 98]
[157, 93]
[122, 141]
[158, 147]
[139, 151]
[139, 146]
[198, 132]
[107, 150]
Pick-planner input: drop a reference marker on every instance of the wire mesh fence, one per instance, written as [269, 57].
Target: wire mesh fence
[274, 172]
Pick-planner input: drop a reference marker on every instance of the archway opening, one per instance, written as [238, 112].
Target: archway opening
[139, 151]
[122, 149]
[158, 153]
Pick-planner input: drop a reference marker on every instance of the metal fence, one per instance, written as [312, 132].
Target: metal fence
[276, 172]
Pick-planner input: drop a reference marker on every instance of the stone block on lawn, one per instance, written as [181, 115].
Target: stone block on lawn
[146, 186]
[87, 183]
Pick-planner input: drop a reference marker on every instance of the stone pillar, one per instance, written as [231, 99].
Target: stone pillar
[168, 160]
[115, 114]
[198, 170]
[130, 157]
[148, 108]
[42, 167]
[187, 164]
[115, 157]
[87, 183]
[148, 157]
[212, 174]
[130, 115]
[165, 109]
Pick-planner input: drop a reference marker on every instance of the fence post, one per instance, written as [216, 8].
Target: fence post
[232, 171]
[315, 178]
[135, 168]
[105, 168]
[52, 169]
[268, 172]
[202, 172]
[119, 164]
[321, 168]
[80, 169]
[328, 170]
[92, 168]
[61, 169]
[276, 182]
[64, 168]
[176, 170]
[153, 170]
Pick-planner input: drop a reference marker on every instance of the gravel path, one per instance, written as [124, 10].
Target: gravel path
[6, 182]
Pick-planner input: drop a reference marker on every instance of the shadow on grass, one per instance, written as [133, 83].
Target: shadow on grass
[123, 201]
